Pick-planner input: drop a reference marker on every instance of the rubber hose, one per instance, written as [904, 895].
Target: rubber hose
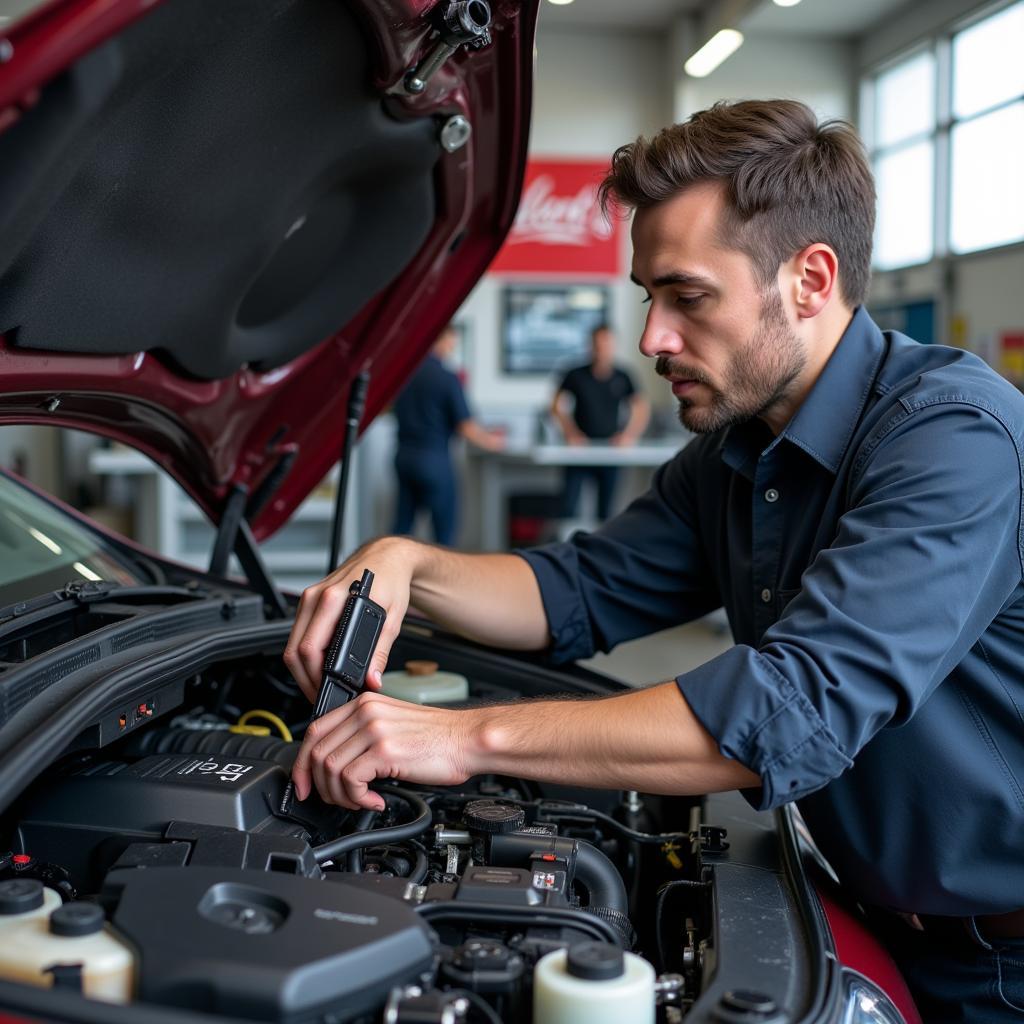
[602, 879]
[380, 836]
[420, 868]
[355, 857]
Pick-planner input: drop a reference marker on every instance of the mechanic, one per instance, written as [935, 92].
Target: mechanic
[430, 410]
[853, 501]
[599, 391]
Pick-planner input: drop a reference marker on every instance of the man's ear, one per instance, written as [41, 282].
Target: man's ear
[813, 273]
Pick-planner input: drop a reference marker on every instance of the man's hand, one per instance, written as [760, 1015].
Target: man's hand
[393, 562]
[377, 737]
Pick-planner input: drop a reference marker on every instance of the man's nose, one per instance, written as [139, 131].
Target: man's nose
[660, 338]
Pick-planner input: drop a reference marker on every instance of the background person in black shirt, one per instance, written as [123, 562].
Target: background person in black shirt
[599, 391]
[430, 409]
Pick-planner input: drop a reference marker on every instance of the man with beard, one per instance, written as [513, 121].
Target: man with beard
[853, 501]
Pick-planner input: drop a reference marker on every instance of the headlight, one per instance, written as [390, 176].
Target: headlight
[866, 1003]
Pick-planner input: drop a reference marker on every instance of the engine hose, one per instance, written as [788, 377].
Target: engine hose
[380, 836]
[355, 857]
[213, 741]
[420, 868]
[601, 878]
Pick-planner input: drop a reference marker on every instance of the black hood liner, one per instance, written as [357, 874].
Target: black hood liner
[219, 183]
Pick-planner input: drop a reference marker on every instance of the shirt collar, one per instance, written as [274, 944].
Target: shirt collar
[825, 422]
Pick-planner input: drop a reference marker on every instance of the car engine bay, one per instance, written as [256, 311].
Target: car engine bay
[447, 906]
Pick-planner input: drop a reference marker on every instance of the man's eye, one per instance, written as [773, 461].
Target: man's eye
[689, 301]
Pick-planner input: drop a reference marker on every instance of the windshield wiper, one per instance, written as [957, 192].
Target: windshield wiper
[83, 592]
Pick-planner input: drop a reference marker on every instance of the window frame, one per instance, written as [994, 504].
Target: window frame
[940, 45]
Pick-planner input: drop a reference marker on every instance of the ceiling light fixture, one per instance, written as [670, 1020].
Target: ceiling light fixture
[713, 52]
[560, 3]
[786, 3]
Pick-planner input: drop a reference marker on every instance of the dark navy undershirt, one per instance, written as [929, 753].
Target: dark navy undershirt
[869, 559]
[430, 408]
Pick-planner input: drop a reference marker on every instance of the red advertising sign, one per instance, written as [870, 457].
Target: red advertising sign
[559, 228]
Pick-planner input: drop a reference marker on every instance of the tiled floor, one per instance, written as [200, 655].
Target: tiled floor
[665, 655]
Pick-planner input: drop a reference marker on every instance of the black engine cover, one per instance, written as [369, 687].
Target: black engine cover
[267, 946]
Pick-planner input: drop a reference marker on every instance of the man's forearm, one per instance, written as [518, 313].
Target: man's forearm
[648, 740]
[492, 599]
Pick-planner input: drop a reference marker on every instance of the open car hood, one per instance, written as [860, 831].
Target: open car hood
[213, 216]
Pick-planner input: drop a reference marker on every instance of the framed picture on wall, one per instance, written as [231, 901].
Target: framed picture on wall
[547, 327]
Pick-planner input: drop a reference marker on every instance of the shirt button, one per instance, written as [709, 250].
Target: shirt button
[766, 596]
[771, 495]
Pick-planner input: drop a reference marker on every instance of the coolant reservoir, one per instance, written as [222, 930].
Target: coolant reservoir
[42, 939]
[422, 683]
[593, 983]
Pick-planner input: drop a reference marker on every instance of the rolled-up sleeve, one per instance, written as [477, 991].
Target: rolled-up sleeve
[922, 563]
[642, 571]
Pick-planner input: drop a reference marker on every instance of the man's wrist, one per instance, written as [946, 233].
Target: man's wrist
[487, 740]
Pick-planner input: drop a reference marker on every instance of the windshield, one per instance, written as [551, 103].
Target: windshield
[42, 549]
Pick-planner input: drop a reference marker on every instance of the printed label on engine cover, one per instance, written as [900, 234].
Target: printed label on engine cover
[227, 772]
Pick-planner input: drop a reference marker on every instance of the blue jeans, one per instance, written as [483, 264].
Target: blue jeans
[426, 479]
[957, 975]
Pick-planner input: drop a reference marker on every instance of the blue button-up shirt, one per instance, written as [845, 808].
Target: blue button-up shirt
[869, 559]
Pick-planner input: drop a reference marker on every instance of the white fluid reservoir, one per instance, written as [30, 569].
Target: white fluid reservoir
[43, 938]
[422, 683]
[593, 983]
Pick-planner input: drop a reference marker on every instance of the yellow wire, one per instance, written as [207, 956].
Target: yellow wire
[270, 717]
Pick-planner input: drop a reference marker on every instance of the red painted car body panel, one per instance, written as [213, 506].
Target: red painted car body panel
[214, 435]
[860, 951]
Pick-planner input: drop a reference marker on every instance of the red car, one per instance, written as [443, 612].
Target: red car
[220, 222]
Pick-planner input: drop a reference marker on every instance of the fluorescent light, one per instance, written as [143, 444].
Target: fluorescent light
[713, 52]
[560, 3]
[45, 541]
[84, 570]
[786, 3]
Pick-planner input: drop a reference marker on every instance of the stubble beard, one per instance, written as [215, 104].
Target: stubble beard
[758, 377]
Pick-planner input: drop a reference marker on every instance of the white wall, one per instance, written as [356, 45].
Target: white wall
[820, 72]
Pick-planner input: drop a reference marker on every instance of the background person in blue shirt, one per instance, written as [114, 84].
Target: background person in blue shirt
[430, 410]
[854, 502]
[606, 408]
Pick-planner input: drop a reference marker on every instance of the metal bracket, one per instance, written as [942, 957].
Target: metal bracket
[464, 23]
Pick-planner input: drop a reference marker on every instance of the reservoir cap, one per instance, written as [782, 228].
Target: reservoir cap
[19, 895]
[77, 919]
[595, 961]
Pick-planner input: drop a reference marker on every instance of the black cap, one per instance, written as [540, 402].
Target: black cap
[75, 919]
[493, 818]
[596, 961]
[19, 895]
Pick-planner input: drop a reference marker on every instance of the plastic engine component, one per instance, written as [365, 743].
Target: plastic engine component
[86, 814]
[267, 946]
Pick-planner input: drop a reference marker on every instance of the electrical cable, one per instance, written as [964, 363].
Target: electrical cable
[478, 1003]
[679, 883]
[380, 836]
[275, 720]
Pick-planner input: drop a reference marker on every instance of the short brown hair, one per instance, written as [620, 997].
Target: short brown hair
[789, 182]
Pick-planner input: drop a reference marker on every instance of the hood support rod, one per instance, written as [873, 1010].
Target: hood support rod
[233, 534]
[356, 405]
